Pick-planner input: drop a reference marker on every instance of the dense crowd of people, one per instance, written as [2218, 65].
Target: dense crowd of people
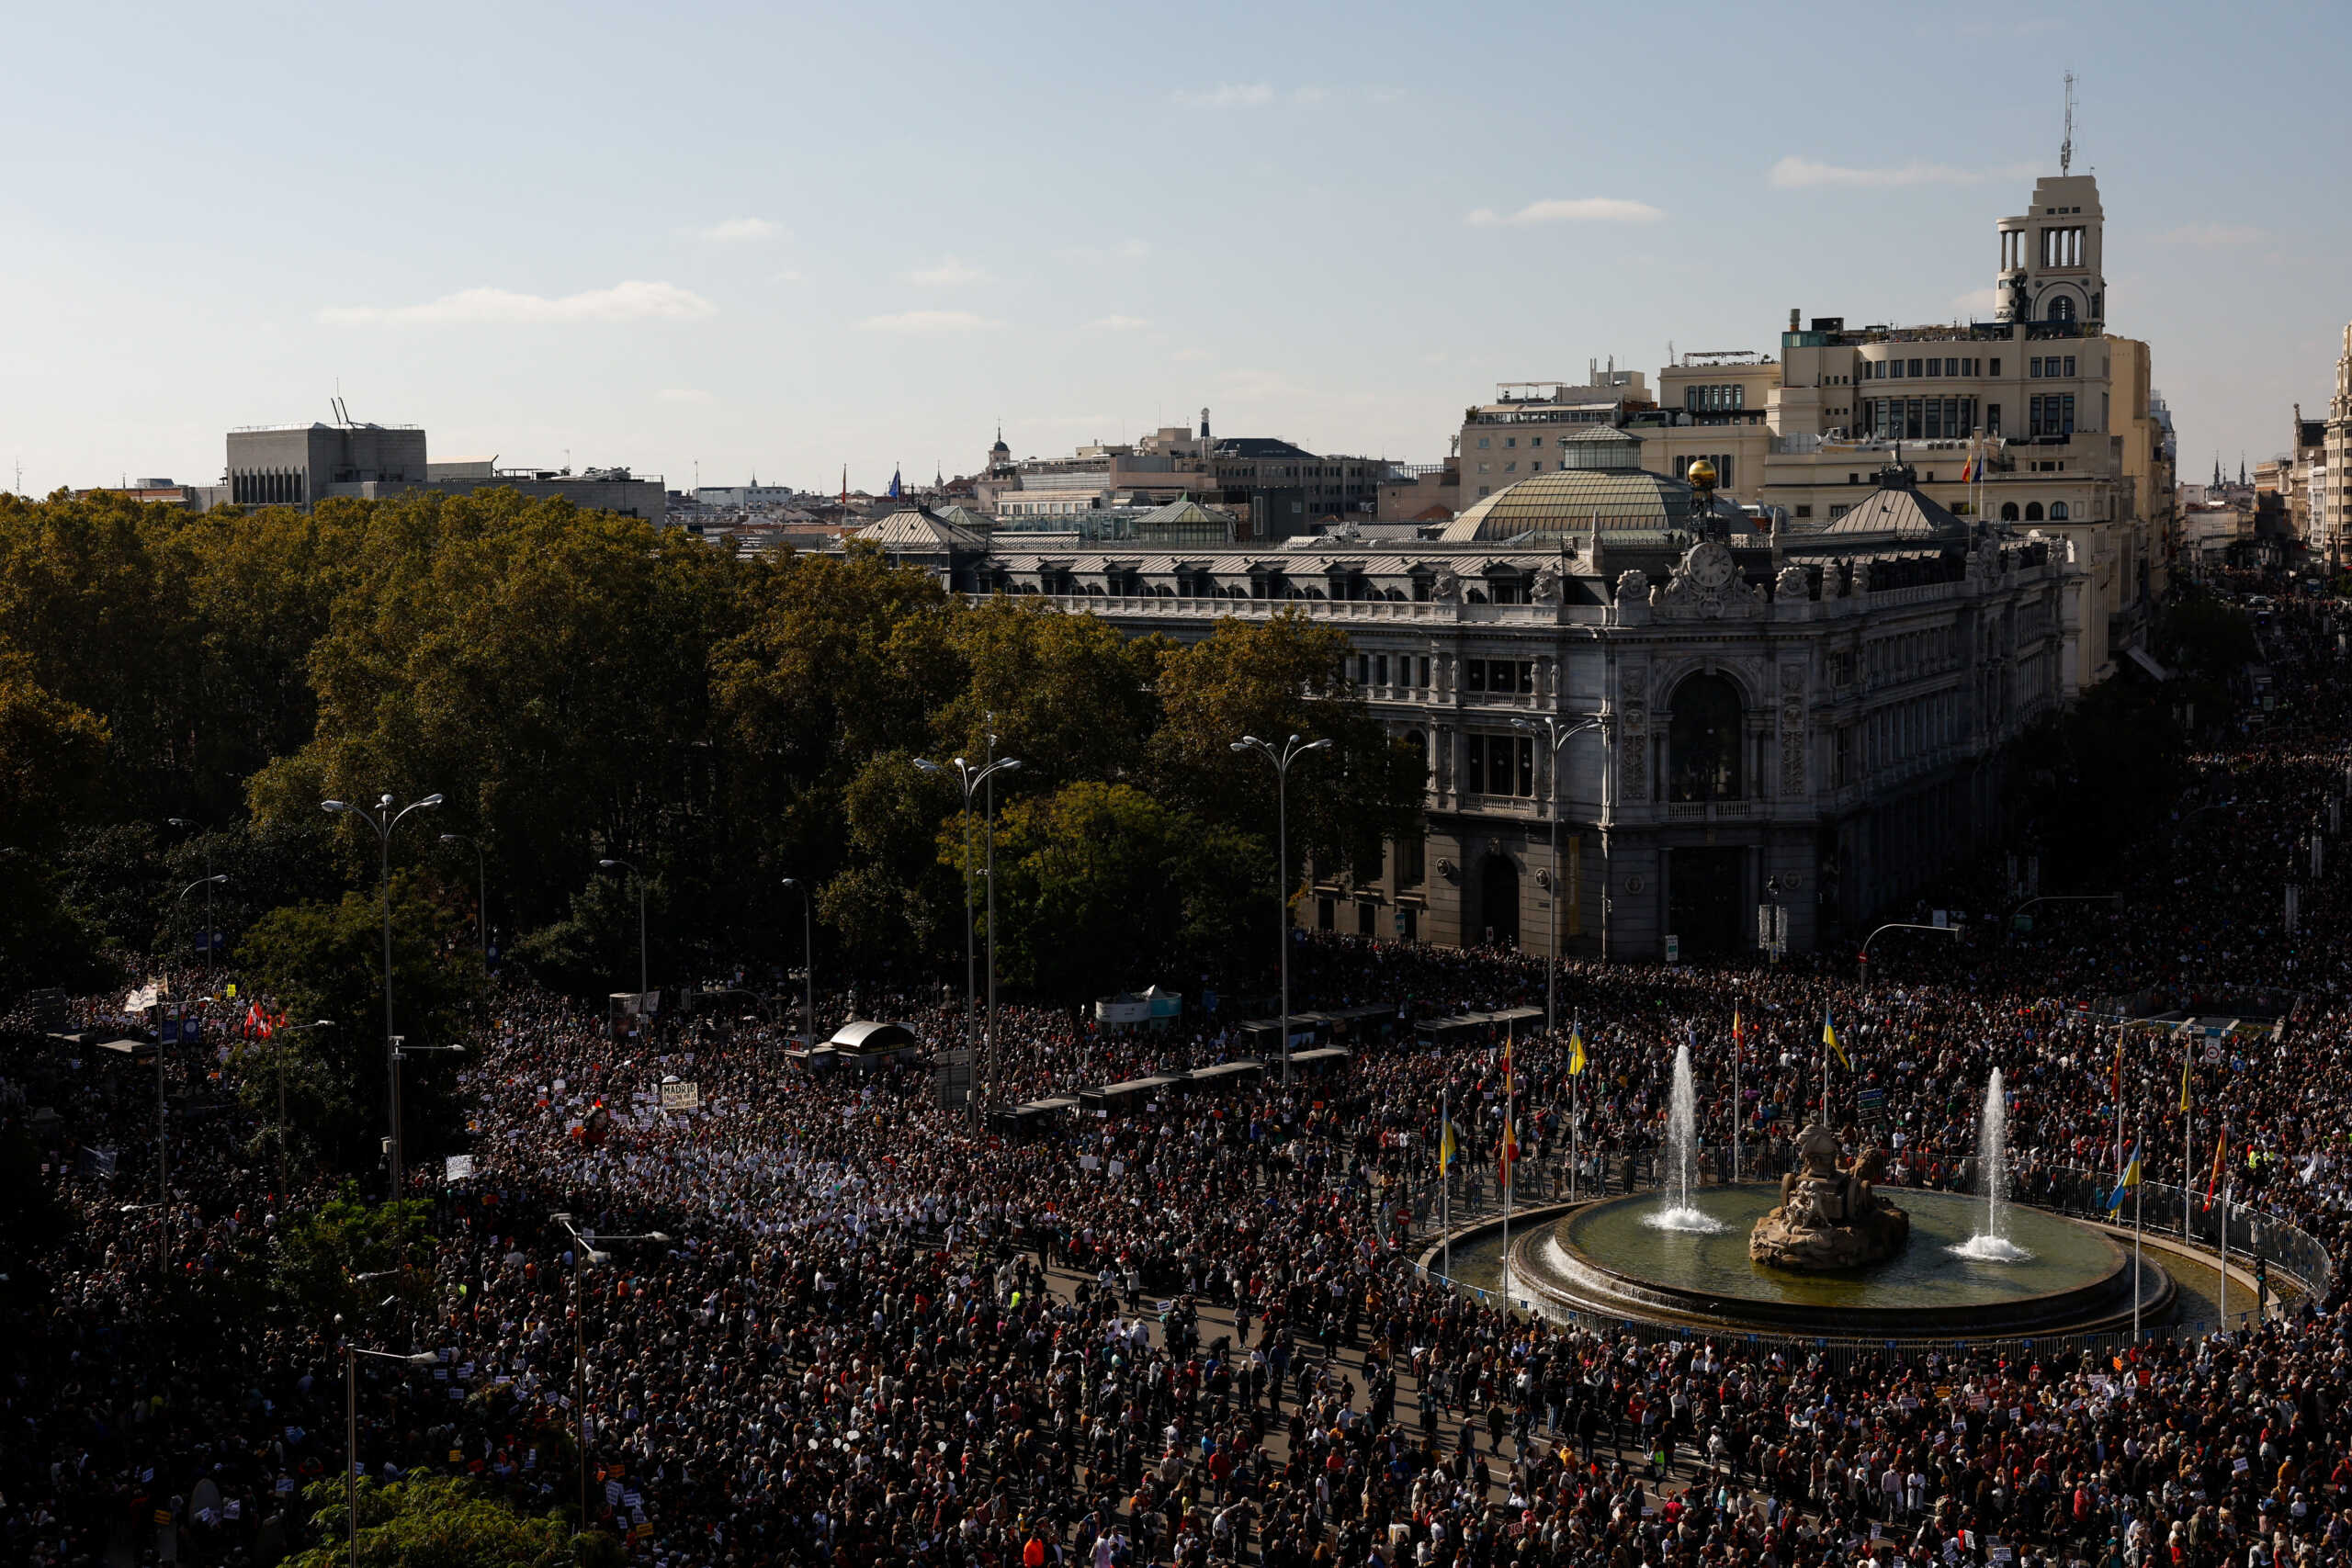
[819, 1318]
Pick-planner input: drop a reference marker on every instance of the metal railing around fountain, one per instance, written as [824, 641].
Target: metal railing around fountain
[2257, 1235]
[2254, 1235]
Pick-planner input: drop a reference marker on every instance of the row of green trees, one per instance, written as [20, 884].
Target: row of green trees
[580, 686]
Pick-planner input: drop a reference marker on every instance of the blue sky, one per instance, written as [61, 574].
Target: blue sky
[783, 240]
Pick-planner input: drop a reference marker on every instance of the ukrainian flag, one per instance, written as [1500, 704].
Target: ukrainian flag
[1575, 1051]
[1445, 1150]
[2126, 1181]
[1829, 1038]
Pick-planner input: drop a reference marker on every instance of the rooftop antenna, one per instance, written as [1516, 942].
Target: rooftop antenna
[2066, 148]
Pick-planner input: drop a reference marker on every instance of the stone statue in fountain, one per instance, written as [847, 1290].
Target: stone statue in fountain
[1830, 1216]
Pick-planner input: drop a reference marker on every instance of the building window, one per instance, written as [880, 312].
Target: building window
[1805, 509]
[2057, 511]
[2033, 512]
[2009, 512]
[1703, 741]
[1991, 419]
[2062, 309]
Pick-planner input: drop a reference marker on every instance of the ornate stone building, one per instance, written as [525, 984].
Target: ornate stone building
[1808, 718]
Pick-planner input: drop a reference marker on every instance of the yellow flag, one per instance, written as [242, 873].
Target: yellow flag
[2184, 1088]
[1829, 1038]
[1445, 1147]
[1575, 1051]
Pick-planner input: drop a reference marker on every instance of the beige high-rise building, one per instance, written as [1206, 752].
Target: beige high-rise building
[2039, 418]
[2331, 535]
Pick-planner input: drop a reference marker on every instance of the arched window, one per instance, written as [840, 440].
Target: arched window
[2057, 511]
[1703, 741]
[2061, 308]
[2009, 512]
[2033, 512]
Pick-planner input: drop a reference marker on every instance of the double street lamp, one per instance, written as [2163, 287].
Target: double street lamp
[1290, 751]
[1557, 735]
[586, 1251]
[163, 1135]
[482, 893]
[351, 1354]
[624, 865]
[970, 779]
[808, 952]
[188, 824]
[383, 821]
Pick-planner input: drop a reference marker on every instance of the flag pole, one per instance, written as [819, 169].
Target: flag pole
[2187, 1127]
[1444, 1182]
[1511, 1158]
[1576, 1032]
[1735, 1101]
[2139, 1203]
[2222, 1255]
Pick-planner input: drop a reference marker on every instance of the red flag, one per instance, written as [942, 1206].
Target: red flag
[2213, 1182]
[1507, 1153]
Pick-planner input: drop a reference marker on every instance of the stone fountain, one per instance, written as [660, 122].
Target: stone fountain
[1829, 1217]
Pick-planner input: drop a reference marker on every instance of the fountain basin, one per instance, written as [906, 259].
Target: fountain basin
[1608, 1258]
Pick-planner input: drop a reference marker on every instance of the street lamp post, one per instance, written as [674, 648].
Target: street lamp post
[585, 1252]
[807, 953]
[1556, 735]
[384, 821]
[624, 865]
[969, 779]
[1863, 960]
[163, 1134]
[482, 895]
[280, 1054]
[209, 878]
[1291, 751]
[351, 1354]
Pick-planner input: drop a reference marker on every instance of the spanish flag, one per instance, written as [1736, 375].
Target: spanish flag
[1575, 1051]
[2221, 1154]
[2184, 1088]
[1507, 1155]
[1829, 1038]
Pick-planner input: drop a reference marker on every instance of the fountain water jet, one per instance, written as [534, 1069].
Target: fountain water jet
[1676, 1211]
[1992, 1245]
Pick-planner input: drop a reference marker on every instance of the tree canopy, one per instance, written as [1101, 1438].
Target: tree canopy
[178, 693]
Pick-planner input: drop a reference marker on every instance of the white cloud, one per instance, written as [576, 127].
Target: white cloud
[683, 395]
[2214, 234]
[627, 301]
[1804, 174]
[928, 321]
[1570, 209]
[741, 228]
[949, 273]
[1231, 95]
[1123, 250]
[1115, 324]
[1977, 301]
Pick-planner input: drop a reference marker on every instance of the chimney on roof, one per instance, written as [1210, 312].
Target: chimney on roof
[1205, 425]
[1794, 315]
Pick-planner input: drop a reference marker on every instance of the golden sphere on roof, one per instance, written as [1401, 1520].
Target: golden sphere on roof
[1702, 475]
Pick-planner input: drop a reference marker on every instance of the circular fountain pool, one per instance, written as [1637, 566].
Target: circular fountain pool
[1612, 1259]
